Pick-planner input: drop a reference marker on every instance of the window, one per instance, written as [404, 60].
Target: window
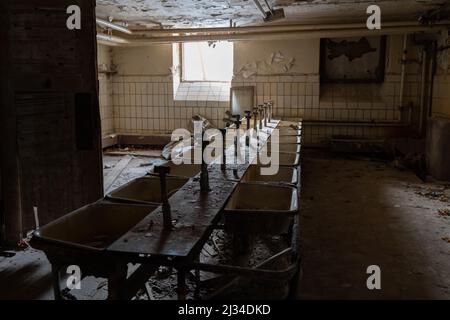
[207, 61]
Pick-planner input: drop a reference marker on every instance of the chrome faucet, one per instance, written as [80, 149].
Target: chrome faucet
[237, 123]
[248, 116]
[204, 176]
[224, 148]
[236, 120]
[260, 110]
[255, 118]
[270, 104]
[266, 113]
[162, 171]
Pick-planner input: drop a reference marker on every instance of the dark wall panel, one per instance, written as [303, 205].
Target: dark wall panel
[52, 159]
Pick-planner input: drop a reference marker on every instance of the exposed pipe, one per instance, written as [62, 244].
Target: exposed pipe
[111, 39]
[310, 34]
[354, 123]
[403, 72]
[113, 26]
[268, 6]
[259, 6]
[274, 28]
[422, 90]
[107, 43]
[432, 73]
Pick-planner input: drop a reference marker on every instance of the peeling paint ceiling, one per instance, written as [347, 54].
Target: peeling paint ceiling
[218, 13]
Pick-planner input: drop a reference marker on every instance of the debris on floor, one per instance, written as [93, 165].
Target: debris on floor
[444, 212]
[139, 151]
[432, 194]
[23, 244]
[162, 285]
[120, 169]
[352, 222]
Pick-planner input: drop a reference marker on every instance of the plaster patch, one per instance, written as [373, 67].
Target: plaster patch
[276, 63]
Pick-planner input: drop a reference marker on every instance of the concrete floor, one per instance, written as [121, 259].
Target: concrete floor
[359, 213]
[355, 213]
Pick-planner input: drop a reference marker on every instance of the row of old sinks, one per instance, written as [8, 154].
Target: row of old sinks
[266, 204]
[259, 204]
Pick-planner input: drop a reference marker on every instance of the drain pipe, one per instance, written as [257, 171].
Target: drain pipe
[268, 6]
[259, 6]
[110, 25]
[422, 89]
[403, 73]
[433, 67]
[264, 29]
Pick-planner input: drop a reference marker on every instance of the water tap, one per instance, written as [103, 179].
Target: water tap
[224, 148]
[255, 118]
[236, 120]
[237, 123]
[266, 112]
[260, 111]
[270, 104]
[204, 176]
[248, 116]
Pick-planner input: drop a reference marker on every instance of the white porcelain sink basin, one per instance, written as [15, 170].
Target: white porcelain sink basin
[146, 189]
[289, 132]
[260, 209]
[282, 147]
[284, 159]
[284, 124]
[93, 227]
[285, 175]
[183, 170]
[288, 139]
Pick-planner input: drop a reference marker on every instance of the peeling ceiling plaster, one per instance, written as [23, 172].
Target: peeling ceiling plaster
[217, 13]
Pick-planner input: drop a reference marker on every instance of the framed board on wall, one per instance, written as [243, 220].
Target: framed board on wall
[353, 60]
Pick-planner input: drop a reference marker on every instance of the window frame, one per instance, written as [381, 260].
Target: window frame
[182, 62]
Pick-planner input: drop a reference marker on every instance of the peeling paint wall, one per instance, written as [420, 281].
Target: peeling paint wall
[298, 92]
[441, 92]
[105, 89]
[150, 60]
[148, 77]
[264, 54]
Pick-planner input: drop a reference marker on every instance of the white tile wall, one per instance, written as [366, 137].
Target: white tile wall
[304, 97]
[159, 104]
[146, 104]
[293, 96]
[203, 91]
[106, 104]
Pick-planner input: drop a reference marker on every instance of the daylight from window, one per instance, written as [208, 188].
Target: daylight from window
[208, 61]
